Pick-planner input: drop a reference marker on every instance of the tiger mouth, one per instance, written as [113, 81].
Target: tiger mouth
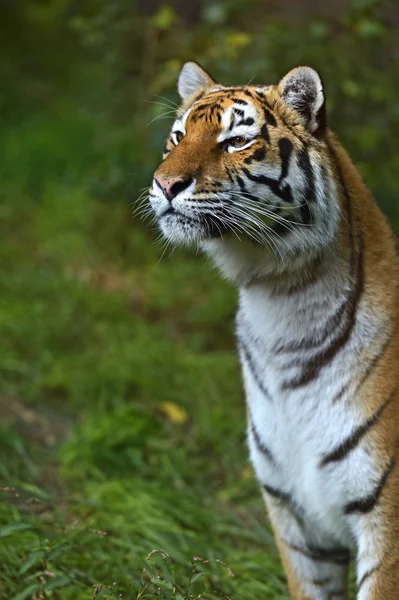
[168, 211]
[209, 225]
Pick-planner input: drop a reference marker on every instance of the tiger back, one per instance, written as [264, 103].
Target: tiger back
[253, 176]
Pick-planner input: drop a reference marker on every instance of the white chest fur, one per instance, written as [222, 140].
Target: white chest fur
[291, 428]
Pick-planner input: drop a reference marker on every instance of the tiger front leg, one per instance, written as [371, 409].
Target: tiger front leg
[375, 522]
[314, 572]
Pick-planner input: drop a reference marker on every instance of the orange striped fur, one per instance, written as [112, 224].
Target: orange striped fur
[253, 176]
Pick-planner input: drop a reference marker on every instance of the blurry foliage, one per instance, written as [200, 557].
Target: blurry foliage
[122, 419]
[97, 68]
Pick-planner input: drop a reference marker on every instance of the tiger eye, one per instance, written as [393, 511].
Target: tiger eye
[237, 141]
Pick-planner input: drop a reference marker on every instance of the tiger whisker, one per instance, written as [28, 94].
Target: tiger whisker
[161, 104]
[167, 115]
[255, 229]
[167, 100]
[261, 228]
[241, 195]
[261, 210]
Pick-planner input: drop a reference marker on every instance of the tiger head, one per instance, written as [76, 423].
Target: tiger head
[246, 172]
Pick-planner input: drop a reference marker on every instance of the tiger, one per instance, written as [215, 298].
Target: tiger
[253, 176]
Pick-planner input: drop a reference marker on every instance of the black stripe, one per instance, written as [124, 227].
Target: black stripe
[243, 188]
[293, 130]
[367, 575]
[304, 211]
[336, 556]
[284, 193]
[310, 193]
[341, 393]
[241, 184]
[287, 500]
[240, 101]
[264, 133]
[247, 93]
[306, 166]
[285, 147]
[204, 106]
[261, 446]
[251, 366]
[332, 322]
[320, 582]
[342, 451]
[311, 275]
[215, 109]
[199, 112]
[258, 155]
[318, 338]
[229, 175]
[374, 361]
[277, 493]
[280, 228]
[366, 505]
[270, 119]
[313, 366]
[239, 112]
[198, 97]
[217, 105]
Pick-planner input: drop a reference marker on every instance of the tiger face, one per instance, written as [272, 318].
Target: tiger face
[247, 166]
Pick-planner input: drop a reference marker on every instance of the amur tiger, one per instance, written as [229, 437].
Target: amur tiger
[253, 176]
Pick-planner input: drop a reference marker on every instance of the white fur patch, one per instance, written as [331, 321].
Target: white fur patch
[230, 116]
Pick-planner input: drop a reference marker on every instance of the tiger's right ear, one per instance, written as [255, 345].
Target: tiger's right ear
[192, 80]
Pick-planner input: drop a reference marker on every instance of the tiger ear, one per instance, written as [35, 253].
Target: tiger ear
[192, 80]
[302, 89]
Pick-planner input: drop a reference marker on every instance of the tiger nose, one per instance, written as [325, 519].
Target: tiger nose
[173, 185]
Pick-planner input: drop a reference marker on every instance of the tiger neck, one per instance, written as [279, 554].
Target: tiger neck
[296, 305]
[324, 290]
[293, 298]
[249, 266]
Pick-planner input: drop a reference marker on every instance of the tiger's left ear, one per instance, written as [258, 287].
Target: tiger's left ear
[302, 89]
[192, 80]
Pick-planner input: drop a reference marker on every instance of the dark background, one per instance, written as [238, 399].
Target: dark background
[122, 420]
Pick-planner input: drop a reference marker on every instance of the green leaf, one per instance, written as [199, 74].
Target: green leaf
[32, 559]
[196, 577]
[162, 583]
[14, 528]
[58, 582]
[56, 551]
[27, 593]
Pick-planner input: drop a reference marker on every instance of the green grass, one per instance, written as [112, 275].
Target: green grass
[96, 468]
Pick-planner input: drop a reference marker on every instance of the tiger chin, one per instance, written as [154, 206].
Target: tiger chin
[253, 175]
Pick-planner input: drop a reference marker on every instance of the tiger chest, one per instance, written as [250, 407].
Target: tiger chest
[289, 433]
